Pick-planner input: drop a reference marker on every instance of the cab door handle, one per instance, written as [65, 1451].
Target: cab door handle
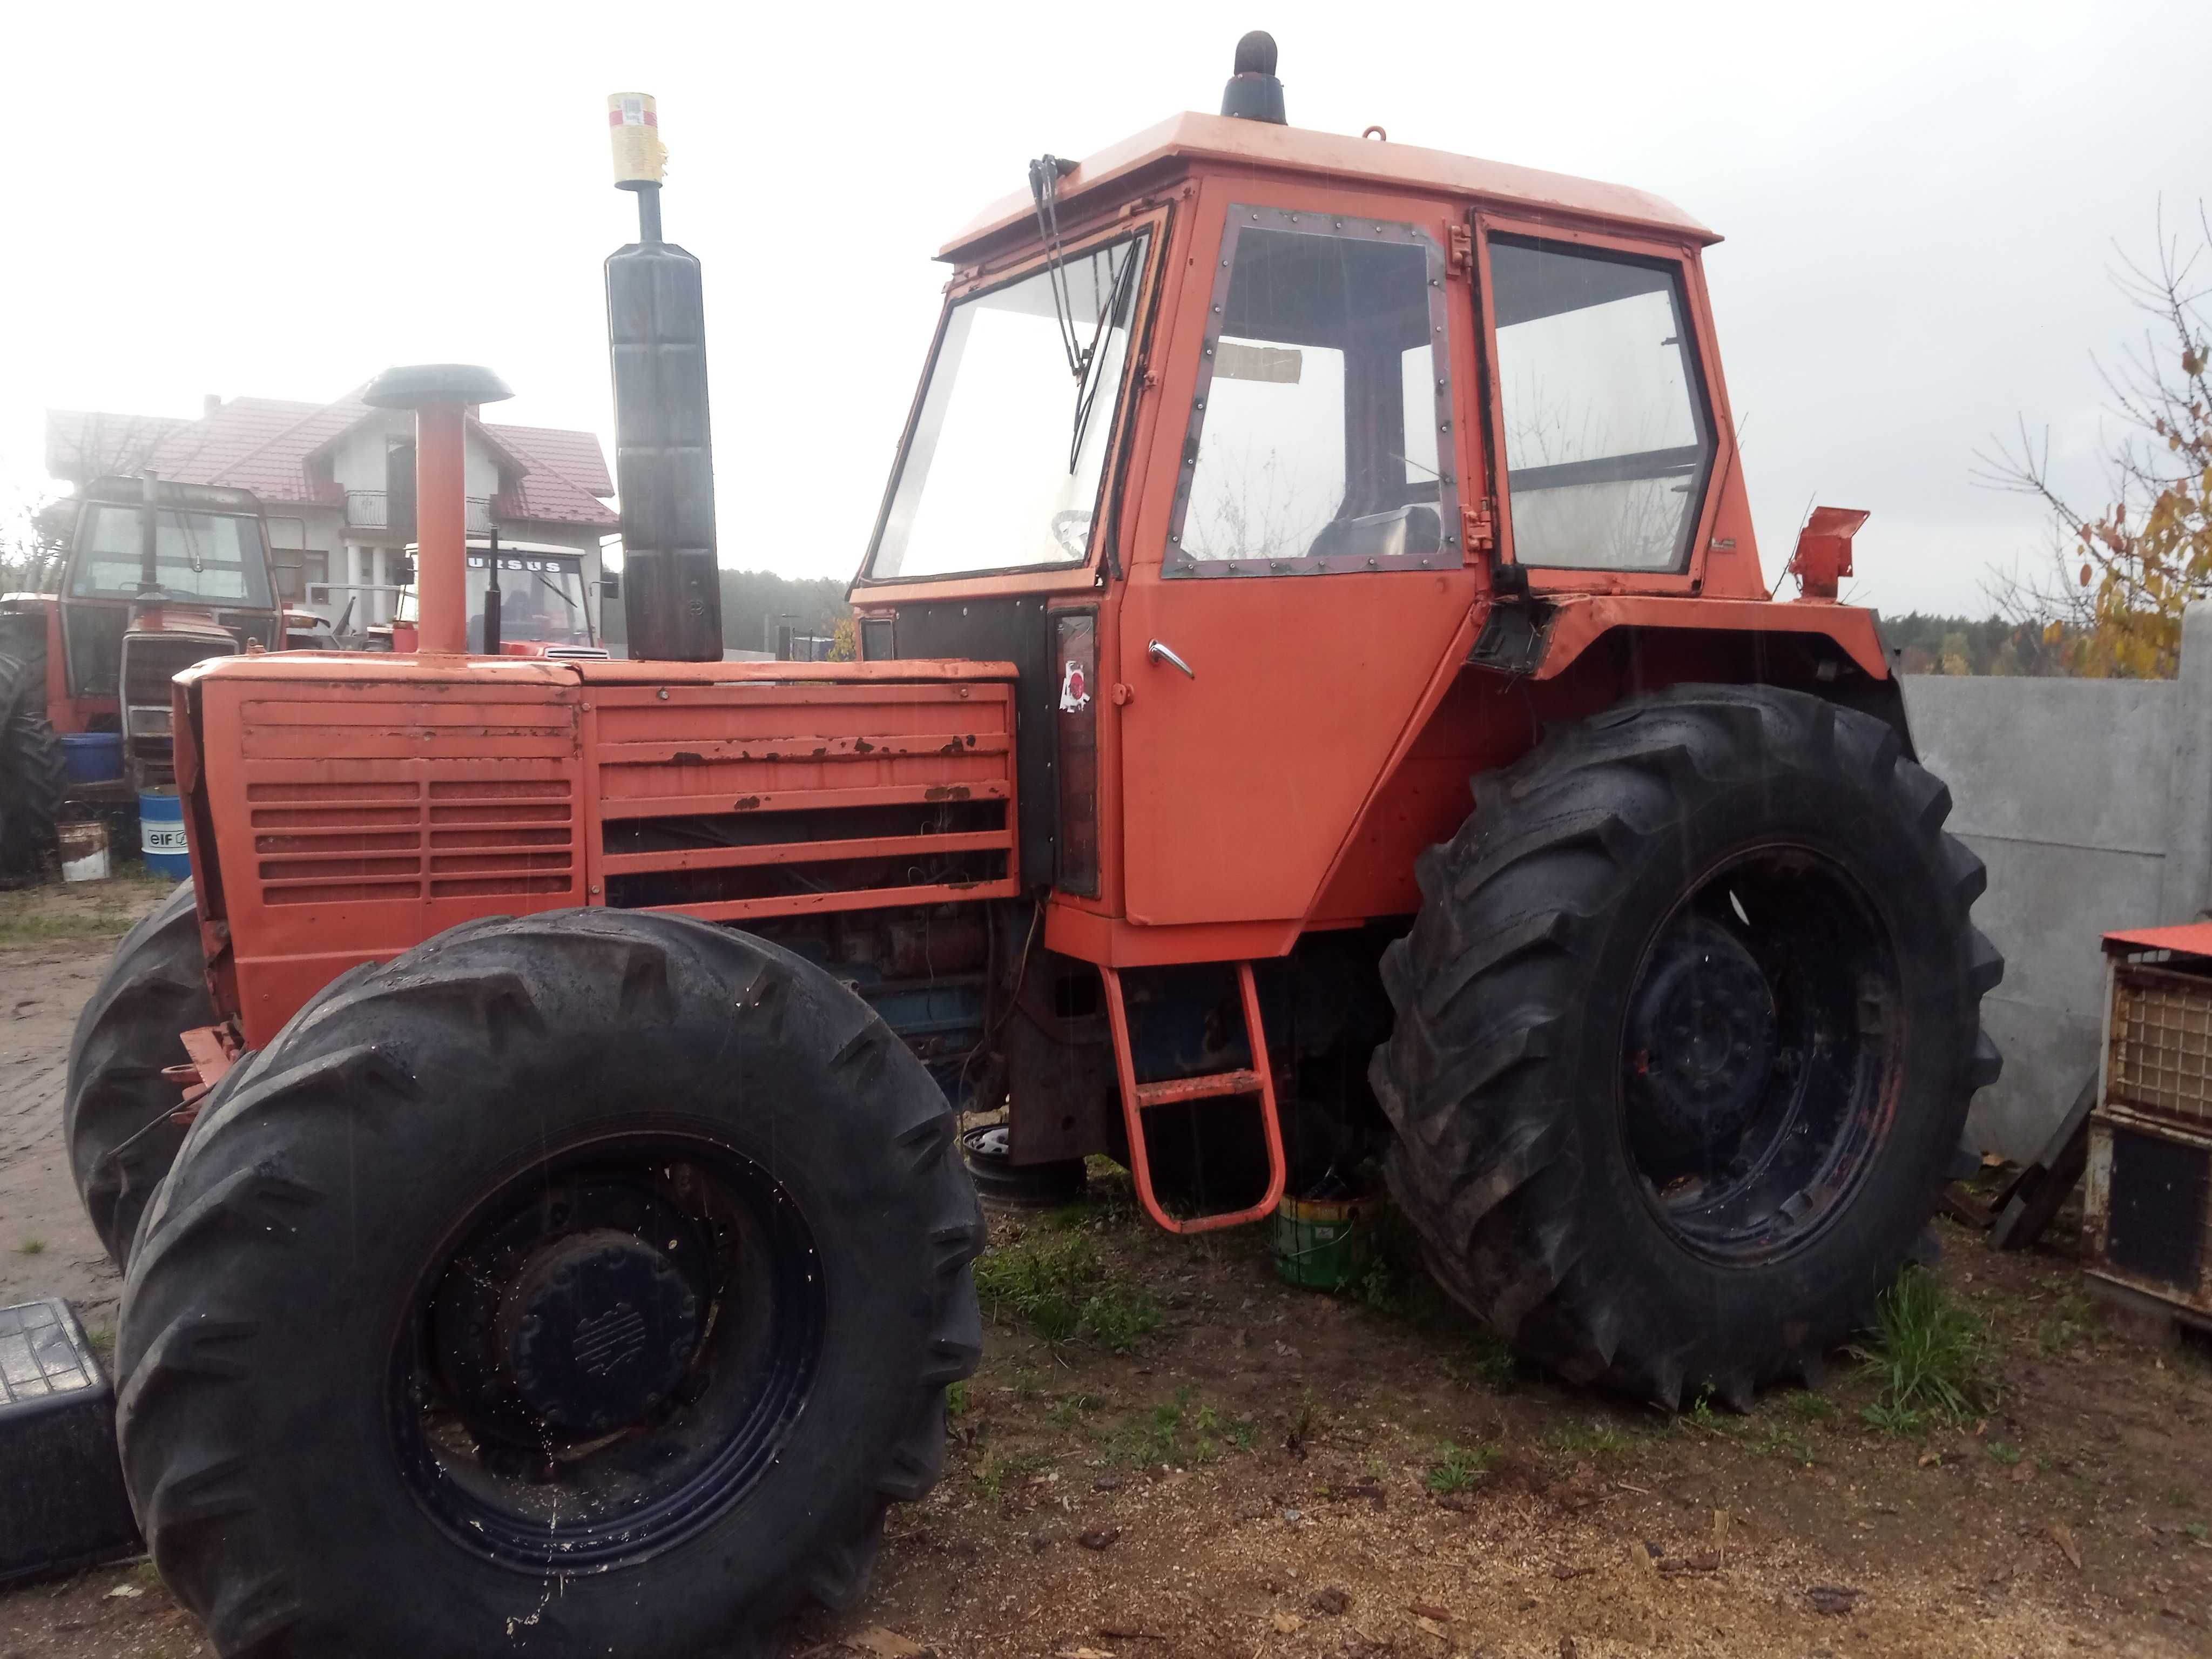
[1166, 654]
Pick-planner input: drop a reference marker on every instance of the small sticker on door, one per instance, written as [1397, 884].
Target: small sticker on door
[1074, 690]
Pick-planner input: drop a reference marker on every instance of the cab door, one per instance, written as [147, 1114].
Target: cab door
[1295, 585]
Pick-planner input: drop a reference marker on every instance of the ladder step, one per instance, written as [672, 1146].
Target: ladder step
[1137, 1097]
[1198, 1088]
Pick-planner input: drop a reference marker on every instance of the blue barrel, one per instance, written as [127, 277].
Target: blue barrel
[162, 835]
[92, 756]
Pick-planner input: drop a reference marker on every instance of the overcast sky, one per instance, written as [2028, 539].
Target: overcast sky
[1920, 203]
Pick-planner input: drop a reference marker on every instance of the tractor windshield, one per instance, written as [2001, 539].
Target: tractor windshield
[541, 600]
[1002, 469]
[204, 557]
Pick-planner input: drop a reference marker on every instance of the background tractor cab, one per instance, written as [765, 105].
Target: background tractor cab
[542, 602]
[152, 578]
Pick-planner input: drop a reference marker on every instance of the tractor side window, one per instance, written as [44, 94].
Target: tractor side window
[1603, 417]
[1315, 439]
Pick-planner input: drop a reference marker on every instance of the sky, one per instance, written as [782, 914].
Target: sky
[1923, 205]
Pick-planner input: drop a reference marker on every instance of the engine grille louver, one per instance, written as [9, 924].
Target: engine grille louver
[316, 843]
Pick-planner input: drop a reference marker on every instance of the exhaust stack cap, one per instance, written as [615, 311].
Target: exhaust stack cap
[417, 384]
[1252, 93]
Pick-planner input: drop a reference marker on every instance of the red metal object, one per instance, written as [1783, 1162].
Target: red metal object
[2192, 938]
[1138, 1098]
[1823, 557]
[442, 509]
[212, 1051]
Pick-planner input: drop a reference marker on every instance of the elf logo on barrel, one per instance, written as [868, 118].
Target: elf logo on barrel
[161, 841]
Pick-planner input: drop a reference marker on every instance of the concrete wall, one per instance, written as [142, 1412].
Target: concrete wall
[2091, 803]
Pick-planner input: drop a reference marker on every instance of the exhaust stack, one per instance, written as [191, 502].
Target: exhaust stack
[442, 395]
[664, 462]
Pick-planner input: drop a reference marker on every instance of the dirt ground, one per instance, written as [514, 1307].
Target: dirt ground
[1273, 1471]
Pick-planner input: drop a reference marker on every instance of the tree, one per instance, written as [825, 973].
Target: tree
[2119, 579]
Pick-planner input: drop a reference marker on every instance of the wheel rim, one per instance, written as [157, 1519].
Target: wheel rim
[1761, 1055]
[607, 1353]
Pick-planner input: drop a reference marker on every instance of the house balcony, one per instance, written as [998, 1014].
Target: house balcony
[379, 509]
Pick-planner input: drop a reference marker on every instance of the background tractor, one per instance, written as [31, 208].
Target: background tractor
[152, 577]
[570, 1227]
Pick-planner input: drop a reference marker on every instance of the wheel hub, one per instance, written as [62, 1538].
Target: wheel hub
[596, 1329]
[1701, 1043]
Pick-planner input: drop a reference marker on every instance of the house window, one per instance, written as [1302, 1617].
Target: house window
[1607, 442]
[1319, 439]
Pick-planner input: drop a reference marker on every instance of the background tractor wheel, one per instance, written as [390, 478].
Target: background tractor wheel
[33, 776]
[115, 1113]
[1687, 1027]
[582, 1284]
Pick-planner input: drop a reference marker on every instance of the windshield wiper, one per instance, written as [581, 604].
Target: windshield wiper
[558, 594]
[1083, 360]
[1086, 388]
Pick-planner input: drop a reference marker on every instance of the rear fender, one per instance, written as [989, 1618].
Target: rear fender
[1832, 651]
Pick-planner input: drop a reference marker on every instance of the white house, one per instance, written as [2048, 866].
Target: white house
[337, 483]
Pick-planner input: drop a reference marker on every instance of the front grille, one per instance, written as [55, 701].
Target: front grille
[402, 839]
[150, 662]
[740, 801]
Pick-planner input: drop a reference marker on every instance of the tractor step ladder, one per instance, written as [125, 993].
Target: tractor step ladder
[1138, 1098]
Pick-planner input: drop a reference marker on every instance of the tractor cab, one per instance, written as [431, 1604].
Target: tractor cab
[1241, 426]
[524, 599]
[153, 577]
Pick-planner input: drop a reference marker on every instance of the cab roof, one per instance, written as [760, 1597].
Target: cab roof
[1225, 140]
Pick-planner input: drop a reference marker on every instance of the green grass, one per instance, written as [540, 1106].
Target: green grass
[1174, 1432]
[1596, 1439]
[2198, 1530]
[33, 1247]
[1930, 1358]
[1810, 1407]
[1455, 1467]
[1065, 1411]
[2066, 1325]
[996, 1469]
[1775, 1439]
[1057, 1285]
[955, 1394]
[2004, 1452]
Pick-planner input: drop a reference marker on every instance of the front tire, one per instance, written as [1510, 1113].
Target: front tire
[582, 1284]
[115, 1111]
[1686, 1030]
[33, 772]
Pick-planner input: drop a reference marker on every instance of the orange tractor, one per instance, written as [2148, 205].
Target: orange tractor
[568, 1249]
[152, 577]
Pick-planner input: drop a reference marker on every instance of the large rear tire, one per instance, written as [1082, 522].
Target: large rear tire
[583, 1283]
[34, 775]
[1686, 1030]
[116, 1110]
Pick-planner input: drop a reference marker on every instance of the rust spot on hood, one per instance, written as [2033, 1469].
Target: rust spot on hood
[946, 792]
[686, 757]
[744, 803]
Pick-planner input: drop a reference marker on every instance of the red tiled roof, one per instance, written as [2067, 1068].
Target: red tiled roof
[564, 474]
[265, 443]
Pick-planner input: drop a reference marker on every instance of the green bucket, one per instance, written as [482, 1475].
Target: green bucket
[1321, 1244]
